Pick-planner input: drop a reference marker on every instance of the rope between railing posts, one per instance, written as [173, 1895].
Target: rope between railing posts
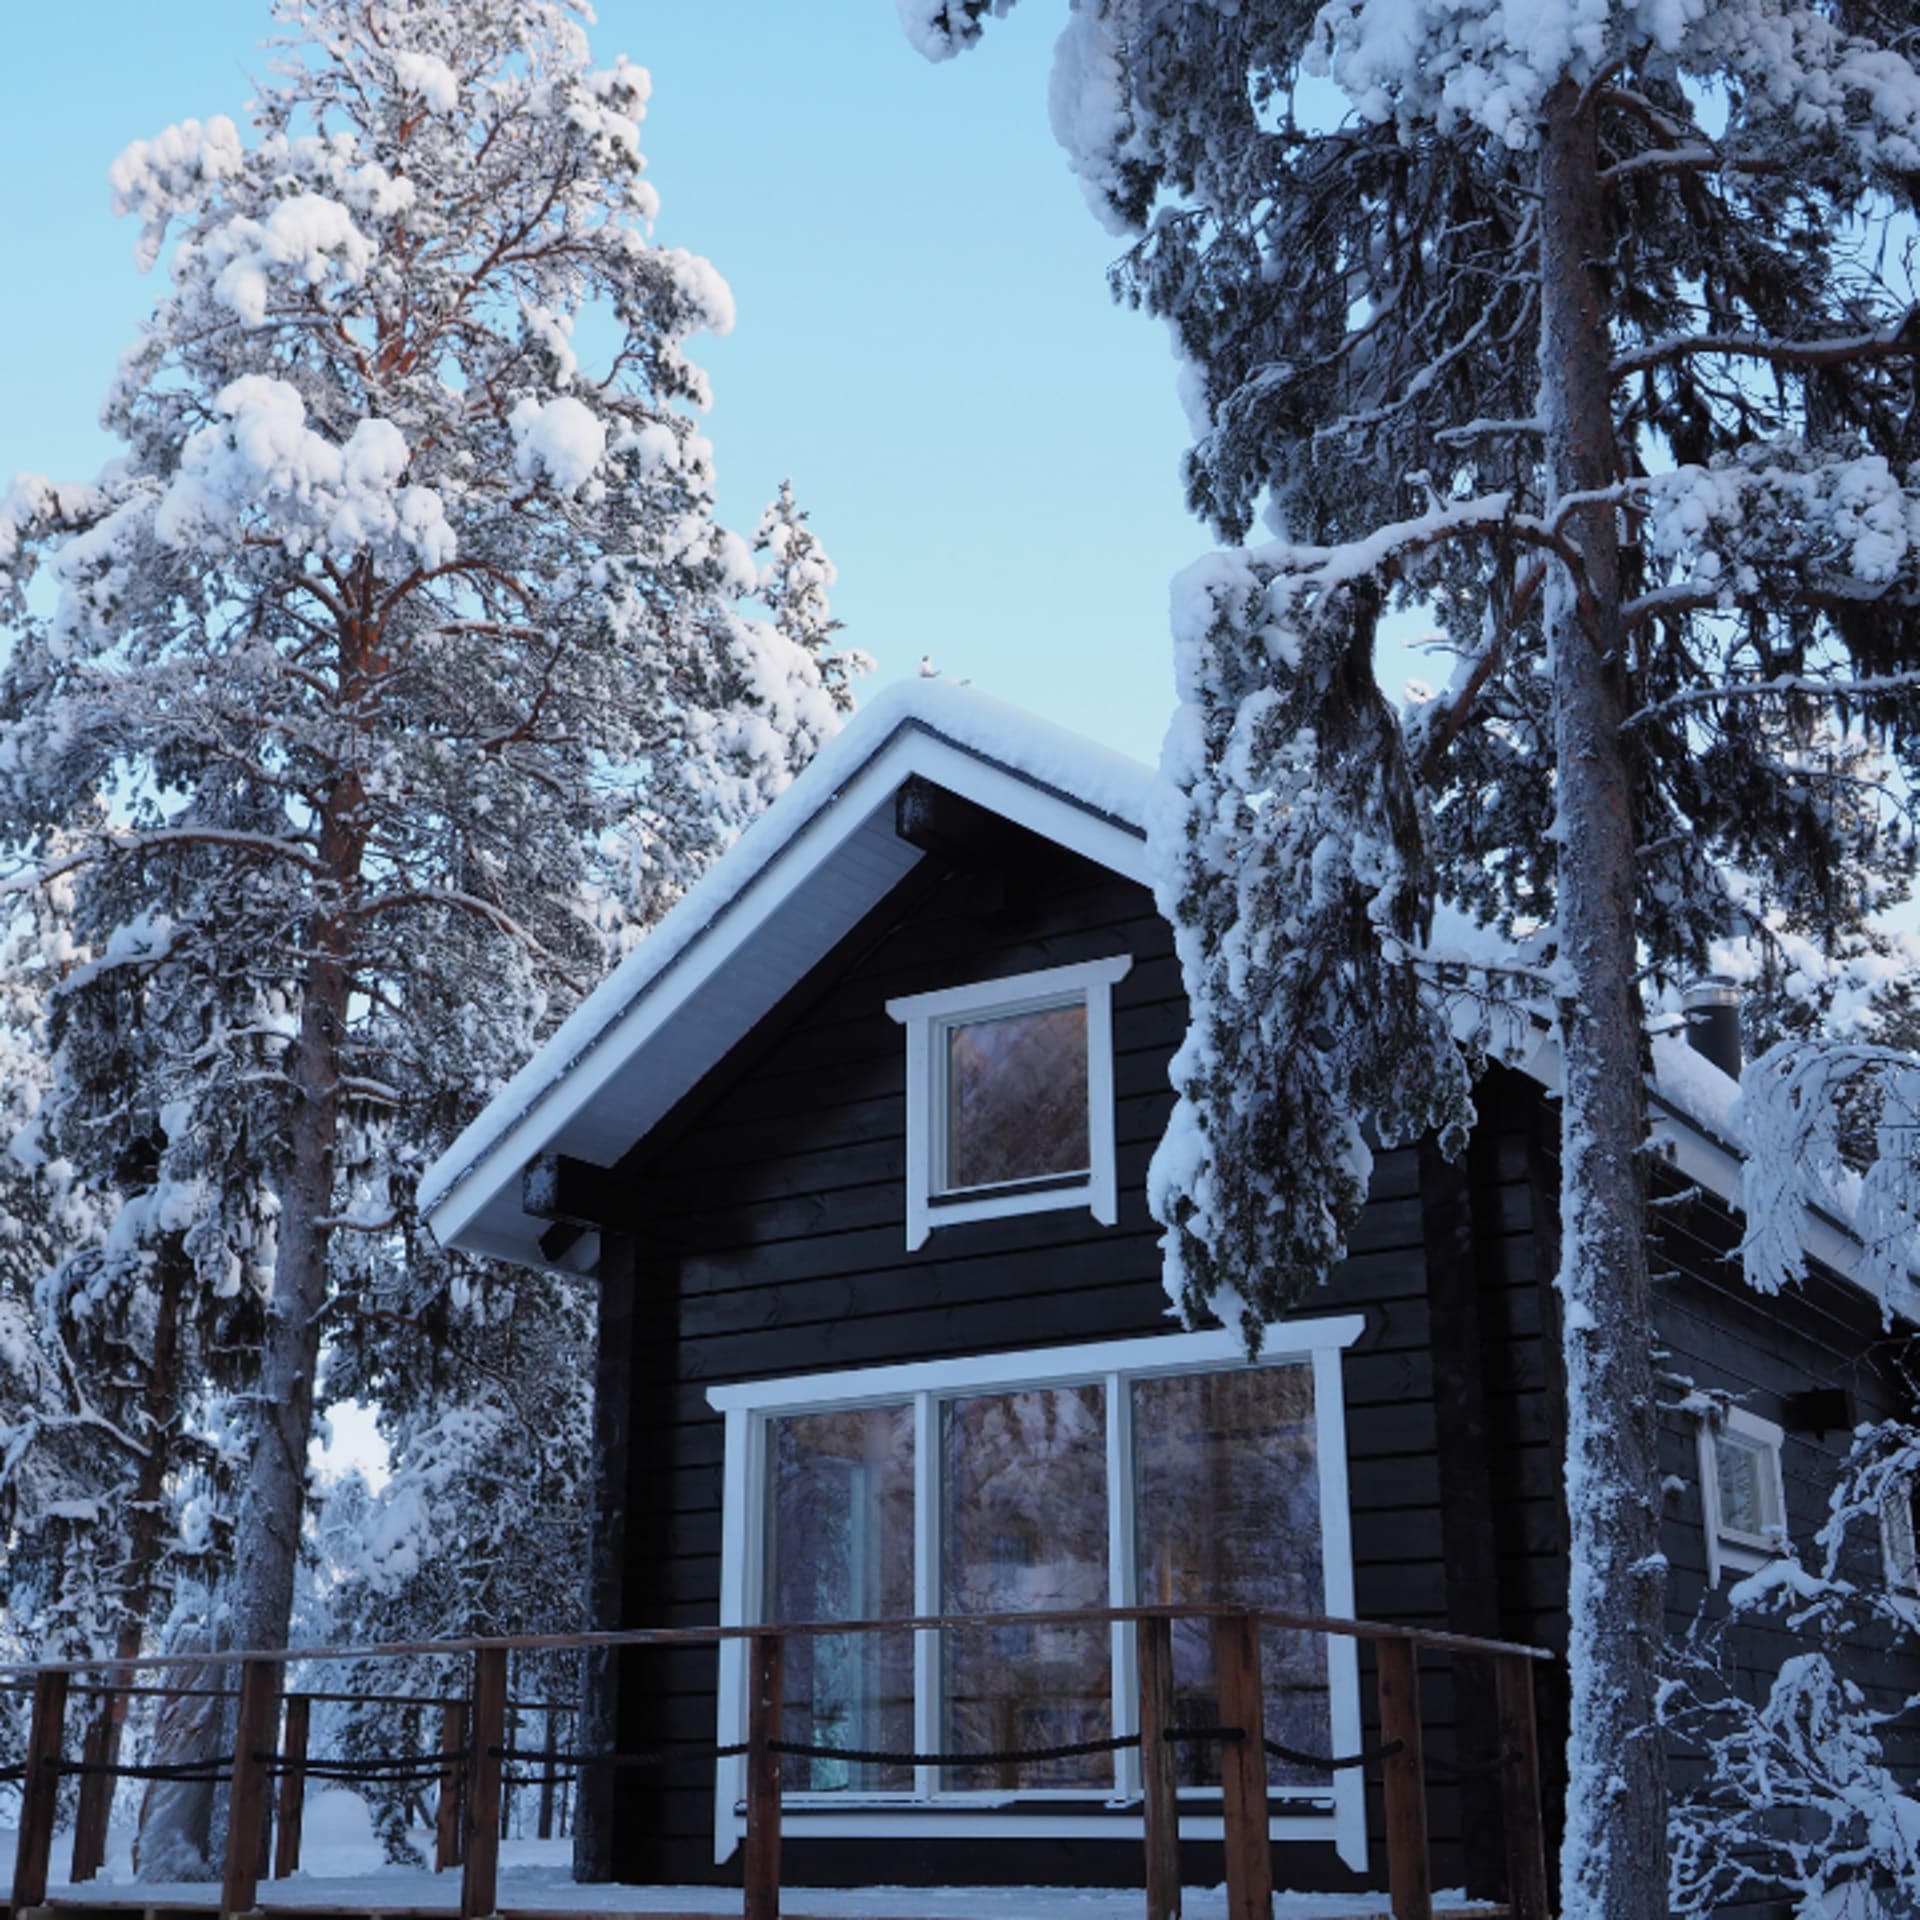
[388, 1776]
[340, 1767]
[571, 1760]
[1007, 1756]
[214, 1771]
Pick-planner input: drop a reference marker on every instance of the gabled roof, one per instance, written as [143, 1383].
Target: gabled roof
[795, 883]
[805, 874]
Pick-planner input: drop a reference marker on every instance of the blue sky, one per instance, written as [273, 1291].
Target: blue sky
[925, 343]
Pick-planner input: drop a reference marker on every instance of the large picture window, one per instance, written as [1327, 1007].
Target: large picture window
[1166, 1470]
[1010, 1096]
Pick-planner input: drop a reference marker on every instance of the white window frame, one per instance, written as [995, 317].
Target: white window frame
[1739, 1552]
[1335, 1812]
[926, 1015]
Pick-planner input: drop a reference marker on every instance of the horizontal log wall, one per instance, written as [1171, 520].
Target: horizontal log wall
[770, 1226]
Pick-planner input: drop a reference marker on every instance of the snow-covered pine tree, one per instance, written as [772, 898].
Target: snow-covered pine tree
[401, 630]
[794, 577]
[1581, 326]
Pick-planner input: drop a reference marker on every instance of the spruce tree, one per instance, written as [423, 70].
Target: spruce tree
[1587, 329]
[794, 578]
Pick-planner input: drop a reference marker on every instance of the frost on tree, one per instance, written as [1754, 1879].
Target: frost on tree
[395, 668]
[1580, 327]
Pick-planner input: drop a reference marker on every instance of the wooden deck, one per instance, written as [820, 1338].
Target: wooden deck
[1002, 1903]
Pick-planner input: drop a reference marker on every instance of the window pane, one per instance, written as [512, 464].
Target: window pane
[1743, 1471]
[840, 1547]
[1025, 1529]
[1227, 1509]
[1016, 1097]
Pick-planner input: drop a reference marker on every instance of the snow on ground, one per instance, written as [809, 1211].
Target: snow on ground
[342, 1869]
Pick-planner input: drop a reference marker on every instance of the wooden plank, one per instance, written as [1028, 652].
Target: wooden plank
[1471, 1576]
[1159, 1776]
[40, 1790]
[248, 1802]
[1243, 1768]
[765, 1679]
[480, 1880]
[1527, 1895]
[95, 1810]
[290, 1815]
[1409, 1870]
[446, 1823]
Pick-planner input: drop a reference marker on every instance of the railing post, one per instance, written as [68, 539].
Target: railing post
[290, 1814]
[766, 1683]
[446, 1823]
[247, 1800]
[1159, 1777]
[480, 1879]
[1520, 1789]
[1409, 1869]
[95, 1811]
[1243, 1767]
[39, 1791]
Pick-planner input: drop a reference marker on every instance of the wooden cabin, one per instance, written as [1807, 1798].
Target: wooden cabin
[855, 1147]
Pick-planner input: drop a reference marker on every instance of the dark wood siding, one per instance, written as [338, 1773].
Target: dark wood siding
[769, 1240]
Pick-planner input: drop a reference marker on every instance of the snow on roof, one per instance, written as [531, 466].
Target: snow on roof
[793, 884]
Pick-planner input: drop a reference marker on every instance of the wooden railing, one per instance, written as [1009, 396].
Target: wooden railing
[474, 1748]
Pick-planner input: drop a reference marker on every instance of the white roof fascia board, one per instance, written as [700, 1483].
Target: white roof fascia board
[616, 1022]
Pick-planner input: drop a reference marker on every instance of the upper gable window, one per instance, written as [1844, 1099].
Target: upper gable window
[1010, 1096]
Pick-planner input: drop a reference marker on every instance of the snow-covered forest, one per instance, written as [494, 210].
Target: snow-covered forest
[398, 676]
[395, 678]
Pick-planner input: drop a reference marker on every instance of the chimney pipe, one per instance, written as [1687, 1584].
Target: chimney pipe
[1713, 1024]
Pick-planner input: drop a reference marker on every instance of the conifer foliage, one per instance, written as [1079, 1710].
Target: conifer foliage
[393, 667]
[1586, 327]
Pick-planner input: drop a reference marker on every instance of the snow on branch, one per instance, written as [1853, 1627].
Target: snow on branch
[1802, 1107]
[1897, 342]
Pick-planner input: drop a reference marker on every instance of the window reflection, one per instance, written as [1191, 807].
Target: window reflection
[1016, 1097]
[840, 1547]
[1227, 1510]
[1023, 1530]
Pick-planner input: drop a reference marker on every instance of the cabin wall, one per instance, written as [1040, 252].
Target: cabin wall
[769, 1240]
[767, 1236]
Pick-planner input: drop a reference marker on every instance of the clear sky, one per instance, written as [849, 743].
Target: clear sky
[989, 448]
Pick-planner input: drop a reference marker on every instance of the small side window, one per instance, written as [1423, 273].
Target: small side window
[1010, 1096]
[1742, 1492]
[1900, 1537]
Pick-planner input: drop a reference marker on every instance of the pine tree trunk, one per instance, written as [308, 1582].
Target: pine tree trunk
[273, 1506]
[267, 1545]
[267, 1542]
[1613, 1861]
